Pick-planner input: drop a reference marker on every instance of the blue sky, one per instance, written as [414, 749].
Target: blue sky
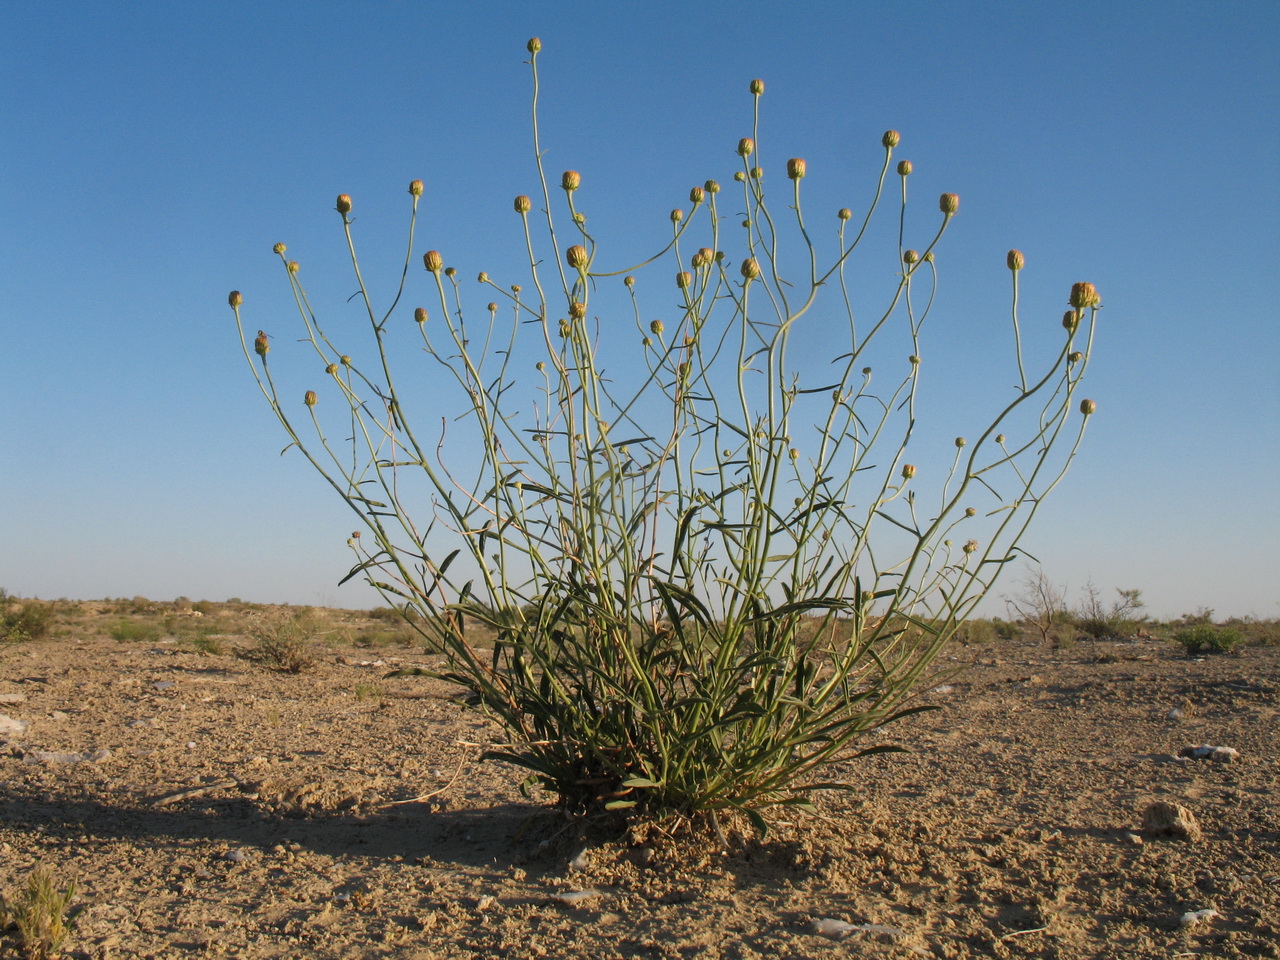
[154, 152]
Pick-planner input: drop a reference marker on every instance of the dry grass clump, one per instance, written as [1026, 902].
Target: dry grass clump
[39, 915]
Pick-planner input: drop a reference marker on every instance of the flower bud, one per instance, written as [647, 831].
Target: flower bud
[908, 471]
[960, 442]
[866, 371]
[570, 181]
[703, 258]
[697, 195]
[757, 173]
[1015, 260]
[260, 345]
[539, 366]
[577, 310]
[515, 288]
[579, 218]
[913, 360]
[493, 307]
[576, 256]
[293, 266]
[235, 299]
[683, 279]
[1084, 295]
[1000, 438]
[795, 454]
[750, 269]
[534, 45]
[564, 328]
[795, 168]
[523, 204]
[757, 87]
[415, 187]
[433, 261]
[928, 257]
[746, 147]
[677, 215]
[970, 512]
[949, 203]
[450, 272]
[1075, 356]
[345, 360]
[656, 327]
[331, 369]
[344, 204]
[971, 546]
[739, 177]
[891, 139]
[629, 280]
[482, 278]
[1071, 320]
[904, 168]
[911, 256]
[844, 213]
[309, 398]
[1088, 407]
[711, 186]
[278, 249]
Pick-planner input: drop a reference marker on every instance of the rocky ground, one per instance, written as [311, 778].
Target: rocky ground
[208, 806]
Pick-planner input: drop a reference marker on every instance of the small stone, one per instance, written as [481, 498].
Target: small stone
[163, 685]
[13, 697]
[573, 898]
[236, 856]
[11, 727]
[134, 724]
[58, 715]
[1193, 917]
[1161, 819]
[1133, 838]
[1207, 752]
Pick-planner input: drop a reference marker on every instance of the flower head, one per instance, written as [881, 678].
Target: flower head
[1015, 260]
[433, 261]
[796, 168]
[523, 204]
[344, 204]
[415, 187]
[891, 139]
[949, 203]
[570, 181]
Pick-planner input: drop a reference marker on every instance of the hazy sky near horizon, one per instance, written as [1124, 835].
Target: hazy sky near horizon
[155, 151]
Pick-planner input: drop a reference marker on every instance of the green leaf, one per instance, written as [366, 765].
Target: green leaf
[641, 783]
[620, 805]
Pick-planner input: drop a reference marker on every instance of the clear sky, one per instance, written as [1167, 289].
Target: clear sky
[154, 152]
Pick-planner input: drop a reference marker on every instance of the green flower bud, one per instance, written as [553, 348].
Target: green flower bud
[908, 471]
[420, 314]
[677, 215]
[960, 442]
[711, 186]
[415, 187]
[629, 280]
[795, 168]
[697, 195]
[534, 45]
[757, 87]
[482, 278]
[891, 139]
[234, 298]
[1088, 407]
[844, 213]
[570, 181]
[750, 269]
[970, 512]
[493, 307]
[1015, 260]
[1084, 295]
[971, 546]
[278, 249]
[293, 266]
[309, 398]
[523, 204]
[433, 261]
[904, 168]
[656, 327]
[331, 369]
[949, 203]
[911, 256]
[746, 147]
[577, 310]
[683, 279]
[344, 204]
[576, 256]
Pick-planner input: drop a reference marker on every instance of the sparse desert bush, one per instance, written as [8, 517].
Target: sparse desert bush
[1206, 638]
[285, 640]
[39, 914]
[669, 530]
[1097, 621]
[975, 631]
[22, 620]
[134, 631]
[1040, 607]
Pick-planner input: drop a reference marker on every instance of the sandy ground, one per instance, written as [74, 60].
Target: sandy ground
[1014, 829]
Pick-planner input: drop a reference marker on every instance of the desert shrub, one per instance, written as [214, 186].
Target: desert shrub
[39, 914]
[22, 620]
[1005, 629]
[285, 640]
[1206, 638]
[667, 538]
[1097, 621]
[975, 631]
[134, 631]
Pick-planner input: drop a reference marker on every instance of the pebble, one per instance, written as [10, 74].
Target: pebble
[839, 929]
[11, 727]
[163, 685]
[139, 723]
[1193, 917]
[572, 898]
[581, 861]
[1206, 751]
[13, 697]
[236, 856]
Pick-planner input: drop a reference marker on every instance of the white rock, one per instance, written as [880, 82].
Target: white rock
[11, 727]
[1198, 916]
[13, 697]
[572, 898]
